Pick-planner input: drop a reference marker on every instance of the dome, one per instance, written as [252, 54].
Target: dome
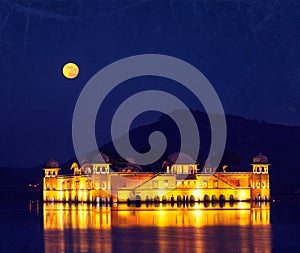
[180, 158]
[52, 164]
[260, 158]
[133, 167]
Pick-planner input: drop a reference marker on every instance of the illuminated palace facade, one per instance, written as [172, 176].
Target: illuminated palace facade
[180, 182]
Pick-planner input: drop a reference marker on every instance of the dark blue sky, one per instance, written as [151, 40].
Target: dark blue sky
[249, 51]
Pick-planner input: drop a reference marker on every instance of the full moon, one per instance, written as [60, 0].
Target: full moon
[70, 70]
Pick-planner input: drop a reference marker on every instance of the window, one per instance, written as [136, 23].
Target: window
[166, 183]
[179, 170]
[185, 170]
[215, 184]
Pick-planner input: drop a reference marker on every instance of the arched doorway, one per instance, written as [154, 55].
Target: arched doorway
[222, 198]
[192, 199]
[206, 198]
[178, 198]
[156, 199]
[214, 198]
[138, 201]
[231, 198]
[185, 198]
[172, 199]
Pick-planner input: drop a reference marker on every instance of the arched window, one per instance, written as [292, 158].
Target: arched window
[192, 198]
[222, 198]
[157, 198]
[206, 198]
[214, 198]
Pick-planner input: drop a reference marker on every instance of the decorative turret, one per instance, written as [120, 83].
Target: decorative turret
[51, 168]
[100, 164]
[50, 180]
[260, 164]
[180, 163]
[260, 183]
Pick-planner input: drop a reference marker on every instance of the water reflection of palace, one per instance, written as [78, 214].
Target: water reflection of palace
[92, 228]
[85, 216]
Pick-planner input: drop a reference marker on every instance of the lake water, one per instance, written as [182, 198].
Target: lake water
[242, 227]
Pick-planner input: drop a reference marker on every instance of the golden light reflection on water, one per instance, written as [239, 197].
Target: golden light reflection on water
[86, 216]
[89, 228]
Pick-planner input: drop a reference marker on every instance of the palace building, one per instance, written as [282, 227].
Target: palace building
[96, 182]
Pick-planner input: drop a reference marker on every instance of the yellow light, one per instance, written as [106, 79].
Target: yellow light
[70, 70]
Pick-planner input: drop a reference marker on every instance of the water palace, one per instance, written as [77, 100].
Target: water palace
[97, 183]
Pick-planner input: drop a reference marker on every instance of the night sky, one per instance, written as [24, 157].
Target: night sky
[249, 51]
